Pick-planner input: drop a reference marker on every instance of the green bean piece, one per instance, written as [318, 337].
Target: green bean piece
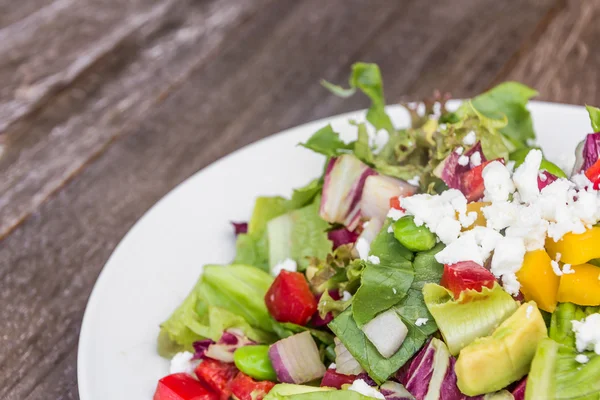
[413, 237]
[254, 361]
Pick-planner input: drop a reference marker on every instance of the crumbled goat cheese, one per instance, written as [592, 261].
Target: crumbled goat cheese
[566, 270]
[557, 257]
[360, 386]
[346, 296]
[414, 180]
[373, 260]
[587, 333]
[507, 260]
[528, 311]
[332, 366]
[459, 150]
[288, 264]
[463, 160]
[511, 165]
[556, 268]
[476, 159]
[363, 247]
[390, 228]
[470, 139]
[497, 181]
[395, 214]
[183, 362]
[582, 358]
[473, 245]
[525, 177]
[542, 176]
[421, 321]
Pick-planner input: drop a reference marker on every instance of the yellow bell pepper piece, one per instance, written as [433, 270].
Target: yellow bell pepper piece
[476, 206]
[576, 249]
[538, 281]
[582, 287]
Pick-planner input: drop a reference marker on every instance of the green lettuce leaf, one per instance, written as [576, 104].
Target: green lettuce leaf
[473, 315]
[305, 236]
[367, 78]
[253, 248]
[594, 117]
[561, 328]
[508, 101]
[224, 297]
[385, 284]
[555, 374]
[287, 329]
[327, 142]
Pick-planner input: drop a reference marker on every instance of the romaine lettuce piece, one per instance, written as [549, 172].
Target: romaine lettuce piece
[224, 297]
[473, 315]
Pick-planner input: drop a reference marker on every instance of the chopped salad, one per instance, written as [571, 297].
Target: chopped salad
[452, 261]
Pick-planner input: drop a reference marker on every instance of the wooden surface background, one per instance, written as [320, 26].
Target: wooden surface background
[106, 105]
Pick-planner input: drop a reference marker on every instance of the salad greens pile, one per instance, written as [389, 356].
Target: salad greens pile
[304, 283]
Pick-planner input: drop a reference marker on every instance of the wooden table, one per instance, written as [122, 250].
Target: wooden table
[106, 105]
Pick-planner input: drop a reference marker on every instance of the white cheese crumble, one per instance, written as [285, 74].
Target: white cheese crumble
[476, 159]
[415, 180]
[566, 270]
[395, 214]
[497, 181]
[459, 150]
[360, 386]
[346, 296]
[390, 228]
[463, 160]
[470, 139]
[373, 260]
[587, 333]
[556, 268]
[363, 247]
[182, 362]
[332, 366]
[421, 321]
[582, 358]
[288, 265]
[525, 177]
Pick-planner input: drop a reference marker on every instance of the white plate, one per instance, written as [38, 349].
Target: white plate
[159, 260]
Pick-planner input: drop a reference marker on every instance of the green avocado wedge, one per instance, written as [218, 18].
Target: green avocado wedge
[493, 362]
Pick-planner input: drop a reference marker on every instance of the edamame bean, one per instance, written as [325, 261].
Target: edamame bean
[411, 236]
[254, 361]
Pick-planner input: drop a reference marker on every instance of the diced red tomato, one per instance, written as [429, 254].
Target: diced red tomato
[395, 203]
[334, 379]
[471, 182]
[245, 388]
[216, 375]
[289, 298]
[593, 174]
[182, 387]
[466, 275]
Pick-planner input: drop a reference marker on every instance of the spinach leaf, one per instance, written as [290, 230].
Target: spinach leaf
[594, 117]
[378, 367]
[386, 283]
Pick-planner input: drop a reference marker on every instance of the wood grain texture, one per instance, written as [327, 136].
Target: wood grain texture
[182, 84]
[563, 63]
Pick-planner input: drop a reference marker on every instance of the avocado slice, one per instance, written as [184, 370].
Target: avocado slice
[493, 362]
[288, 389]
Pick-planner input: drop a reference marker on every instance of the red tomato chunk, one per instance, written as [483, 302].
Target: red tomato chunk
[245, 388]
[289, 299]
[216, 375]
[182, 387]
[466, 275]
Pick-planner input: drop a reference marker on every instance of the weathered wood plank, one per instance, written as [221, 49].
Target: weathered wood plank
[45, 150]
[258, 79]
[12, 12]
[563, 63]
